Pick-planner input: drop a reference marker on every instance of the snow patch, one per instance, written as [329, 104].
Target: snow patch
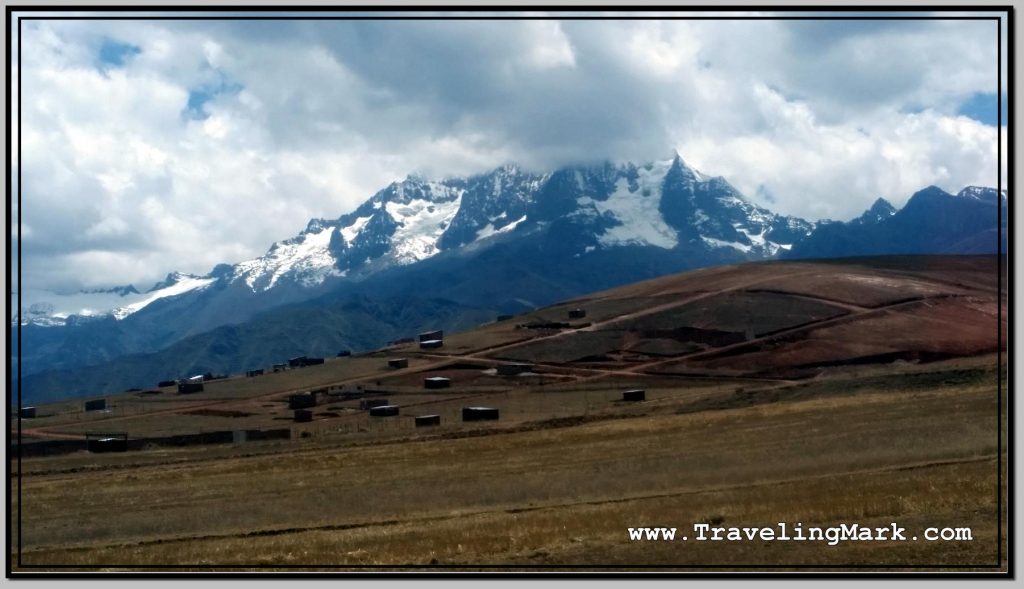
[307, 257]
[48, 308]
[757, 240]
[720, 243]
[182, 286]
[489, 230]
[352, 231]
[420, 225]
[636, 210]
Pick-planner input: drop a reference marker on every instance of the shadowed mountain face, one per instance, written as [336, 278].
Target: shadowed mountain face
[932, 222]
[502, 242]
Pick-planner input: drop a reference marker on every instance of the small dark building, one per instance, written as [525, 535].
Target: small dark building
[96, 405]
[27, 412]
[479, 414]
[310, 361]
[256, 372]
[301, 401]
[504, 317]
[436, 382]
[431, 335]
[303, 415]
[297, 362]
[344, 353]
[365, 404]
[384, 411]
[513, 369]
[427, 420]
[398, 363]
[106, 442]
[166, 383]
[186, 387]
[577, 313]
[431, 344]
[634, 395]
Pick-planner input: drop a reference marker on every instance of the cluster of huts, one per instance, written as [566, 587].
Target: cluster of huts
[303, 403]
[194, 384]
[89, 405]
[428, 340]
[296, 362]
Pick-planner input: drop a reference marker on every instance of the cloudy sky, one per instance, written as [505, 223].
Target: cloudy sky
[152, 146]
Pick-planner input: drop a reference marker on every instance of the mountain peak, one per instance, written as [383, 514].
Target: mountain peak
[315, 226]
[684, 170]
[170, 280]
[930, 192]
[122, 291]
[881, 204]
[982, 193]
[879, 211]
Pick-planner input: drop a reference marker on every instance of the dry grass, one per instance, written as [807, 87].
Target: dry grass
[561, 495]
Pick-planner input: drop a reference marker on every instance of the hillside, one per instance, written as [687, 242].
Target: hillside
[767, 320]
[320, 328]
[828, 392]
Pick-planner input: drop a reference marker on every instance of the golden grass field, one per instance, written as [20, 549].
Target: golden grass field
[560, 477]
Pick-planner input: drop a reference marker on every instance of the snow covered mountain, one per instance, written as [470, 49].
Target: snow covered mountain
[660, 204]
[405, 223]
[666, 205]
[48, 308]
[657, 204]
[501, 242]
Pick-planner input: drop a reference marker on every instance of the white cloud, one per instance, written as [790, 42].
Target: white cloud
[550, 47]
[217, 138]
[819, 170]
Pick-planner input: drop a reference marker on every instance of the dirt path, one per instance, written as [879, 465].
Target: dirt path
[855, 312]
[797, 329]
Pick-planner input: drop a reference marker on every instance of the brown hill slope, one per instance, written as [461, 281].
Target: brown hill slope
[776, 321]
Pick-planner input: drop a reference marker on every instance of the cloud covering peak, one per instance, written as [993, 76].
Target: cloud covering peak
[150, 146]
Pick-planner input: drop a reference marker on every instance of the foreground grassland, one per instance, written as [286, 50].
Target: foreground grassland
[917, 449]
[827, 393]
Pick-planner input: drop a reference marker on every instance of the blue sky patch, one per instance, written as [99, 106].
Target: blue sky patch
[200, 95]
[114, 54]
[983, 108]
